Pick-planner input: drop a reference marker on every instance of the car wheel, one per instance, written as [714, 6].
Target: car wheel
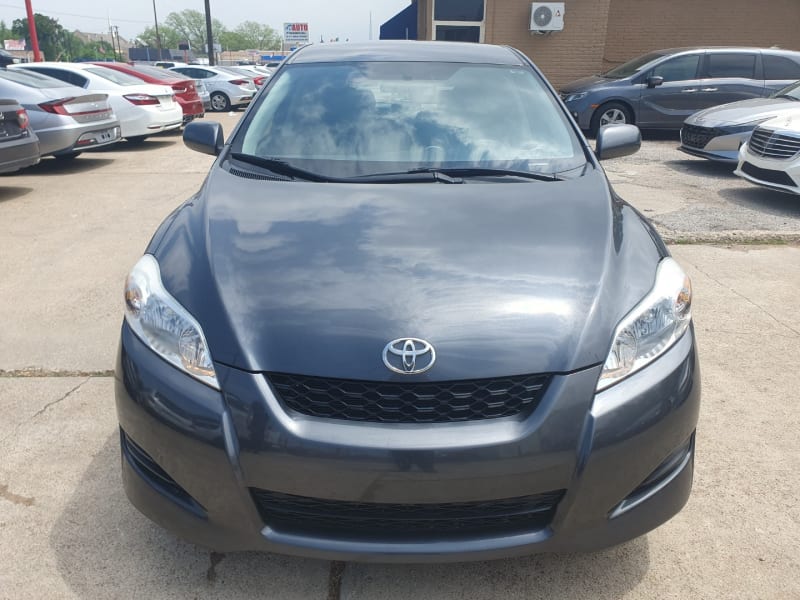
[136, 139]
[611, 113]
[220, 102]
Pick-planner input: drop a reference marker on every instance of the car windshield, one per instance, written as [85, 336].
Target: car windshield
[632, 66]
[115, 76]
[33, 80]
[364, 118]
[790, 91]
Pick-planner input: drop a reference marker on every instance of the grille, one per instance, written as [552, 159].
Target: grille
[303, 514]
[422, 402]
[695, 136]
[771, 144]
[768, 175]
[150, 470]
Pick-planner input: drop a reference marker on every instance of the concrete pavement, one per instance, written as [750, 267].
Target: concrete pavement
[66, 530]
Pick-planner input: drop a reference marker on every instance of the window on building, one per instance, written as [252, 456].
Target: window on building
[458, 10]
[780, 67]
[722, 66]
[458, 20]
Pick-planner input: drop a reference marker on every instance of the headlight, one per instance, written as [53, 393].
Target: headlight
[652, 327]
[164, 325]
[574, 97]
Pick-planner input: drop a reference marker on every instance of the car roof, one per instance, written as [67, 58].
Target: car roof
[670, 51]
[413, 51]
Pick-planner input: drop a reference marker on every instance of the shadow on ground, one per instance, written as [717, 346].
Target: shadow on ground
[151, 143]
[80, 164]
[764, 200]
[703, 168]
[10, 192]
[105, 548]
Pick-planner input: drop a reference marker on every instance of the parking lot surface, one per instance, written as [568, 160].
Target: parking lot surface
[70, 233]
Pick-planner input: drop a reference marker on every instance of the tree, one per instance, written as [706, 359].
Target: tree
[257, 36]
[191, 25]
[169, 37]
[5, 32]
[51, 35]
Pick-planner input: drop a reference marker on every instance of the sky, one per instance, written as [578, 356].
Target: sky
[329, 19]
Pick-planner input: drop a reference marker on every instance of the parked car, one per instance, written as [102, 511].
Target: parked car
[142, 108]
[395, 325]
[661, 89]
[203, 93]
[19, 146]
[259, 74]
[227, 89]
[771, 157]
[67, 120]
[717, 133]
[183, 87]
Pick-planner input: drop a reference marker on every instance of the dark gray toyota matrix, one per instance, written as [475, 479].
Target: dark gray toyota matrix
[407, 319]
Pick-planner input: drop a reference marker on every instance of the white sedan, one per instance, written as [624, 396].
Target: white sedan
[142, 109]
[771, 157]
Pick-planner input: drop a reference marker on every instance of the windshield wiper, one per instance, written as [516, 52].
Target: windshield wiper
[465, 172]
[788, 97]
[281, 167]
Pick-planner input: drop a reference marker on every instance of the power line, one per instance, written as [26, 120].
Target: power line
[63, 14]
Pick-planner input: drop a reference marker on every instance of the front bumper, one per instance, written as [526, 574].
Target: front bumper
[619, 462]
[717, 144]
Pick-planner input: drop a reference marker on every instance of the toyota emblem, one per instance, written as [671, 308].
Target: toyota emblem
[409, 356]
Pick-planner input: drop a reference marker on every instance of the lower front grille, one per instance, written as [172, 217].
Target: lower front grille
[149, 470]
[301, 514]
[698, 137]
[768, 175]
[418, 402]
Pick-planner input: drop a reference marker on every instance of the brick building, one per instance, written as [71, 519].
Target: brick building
[599, 34]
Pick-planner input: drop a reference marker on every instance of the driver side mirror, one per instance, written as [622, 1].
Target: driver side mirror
[614, 141]
[654, 81]
[207, 137]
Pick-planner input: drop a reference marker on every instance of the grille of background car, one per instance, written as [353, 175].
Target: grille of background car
[414, 402]
[695, 136]
[299, 513]
[770, 144]
[768, 175]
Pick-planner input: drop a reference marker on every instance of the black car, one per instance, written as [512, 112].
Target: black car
[19, 146]
[406, 319]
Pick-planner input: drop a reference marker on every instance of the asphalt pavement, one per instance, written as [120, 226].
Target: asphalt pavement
[71, 231]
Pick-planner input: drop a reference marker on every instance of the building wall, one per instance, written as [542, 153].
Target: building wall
[599, 34]
[562, 56]
[637, 26]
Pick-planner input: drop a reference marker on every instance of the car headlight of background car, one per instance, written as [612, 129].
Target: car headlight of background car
[576, 96]
[164, 325]
[652, 327]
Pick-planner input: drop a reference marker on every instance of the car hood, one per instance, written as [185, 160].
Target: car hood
[788, 120]
[586, 83]
[741, 112]
[316, 279]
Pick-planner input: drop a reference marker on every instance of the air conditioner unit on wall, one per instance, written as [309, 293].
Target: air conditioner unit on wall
[547, 16]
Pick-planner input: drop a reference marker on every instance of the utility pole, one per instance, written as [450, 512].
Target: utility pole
[158, 36]
[37, 55]
[119, 44]
[209, 35]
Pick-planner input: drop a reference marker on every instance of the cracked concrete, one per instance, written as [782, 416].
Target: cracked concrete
[73, 534]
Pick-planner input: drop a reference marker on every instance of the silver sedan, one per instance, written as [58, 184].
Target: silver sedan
[228, 89]
[717, 133]
[65, 117]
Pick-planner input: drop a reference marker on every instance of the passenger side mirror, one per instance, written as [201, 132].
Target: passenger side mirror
[654, 81]
[614, 141]
[207, 137]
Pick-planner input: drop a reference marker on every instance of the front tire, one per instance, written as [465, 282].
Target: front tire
[220, 102]
[610, 113]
